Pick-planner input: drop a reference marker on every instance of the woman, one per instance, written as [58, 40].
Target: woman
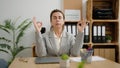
[56, 41]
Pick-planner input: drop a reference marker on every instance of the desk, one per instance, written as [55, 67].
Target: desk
[17, 63]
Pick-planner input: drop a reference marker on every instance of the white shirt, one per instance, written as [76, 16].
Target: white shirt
[57, 40]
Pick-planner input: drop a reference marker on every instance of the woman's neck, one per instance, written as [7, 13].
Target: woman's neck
[58, 32]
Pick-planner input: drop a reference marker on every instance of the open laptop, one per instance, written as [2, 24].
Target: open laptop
[45, 60]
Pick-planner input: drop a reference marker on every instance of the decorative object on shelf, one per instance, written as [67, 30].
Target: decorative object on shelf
[100, 13]
[108, 38]
[64, 62]
[11, 46]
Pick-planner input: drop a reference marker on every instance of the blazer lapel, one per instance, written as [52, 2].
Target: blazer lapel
[63, 42]
[52, 41]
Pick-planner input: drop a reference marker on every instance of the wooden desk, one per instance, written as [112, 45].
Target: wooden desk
[17, 63]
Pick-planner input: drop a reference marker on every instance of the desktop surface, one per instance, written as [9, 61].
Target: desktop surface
[30, 63]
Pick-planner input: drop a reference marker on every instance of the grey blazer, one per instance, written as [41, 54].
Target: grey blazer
[46, 45]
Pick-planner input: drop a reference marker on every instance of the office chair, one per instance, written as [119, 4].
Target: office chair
[33, 50]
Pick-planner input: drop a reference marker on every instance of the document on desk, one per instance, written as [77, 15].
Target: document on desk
[94, 58]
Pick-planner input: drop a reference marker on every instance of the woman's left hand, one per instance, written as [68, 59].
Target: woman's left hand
[81, 25]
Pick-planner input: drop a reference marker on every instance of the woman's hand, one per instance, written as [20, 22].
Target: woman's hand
[81, 25]
[37, 25]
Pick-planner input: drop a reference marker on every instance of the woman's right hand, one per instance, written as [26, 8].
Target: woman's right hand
[37, 25]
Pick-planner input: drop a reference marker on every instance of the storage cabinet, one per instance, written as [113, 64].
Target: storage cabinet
[103, 17]
[104, 13]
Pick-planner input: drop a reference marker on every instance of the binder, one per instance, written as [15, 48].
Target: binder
[94, 39]
[103, 33]
[99, 34]
[86, 34]
[69, 29]
[74, 30]
[65, 28]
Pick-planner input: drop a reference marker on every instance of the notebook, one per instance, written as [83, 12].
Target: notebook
[45, 60]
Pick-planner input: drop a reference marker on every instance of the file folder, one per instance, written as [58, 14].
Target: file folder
[94, 34]
[86, 34]
[99, 34]
[65, 28]
[74, 30]
[103, 34]
[69, 29]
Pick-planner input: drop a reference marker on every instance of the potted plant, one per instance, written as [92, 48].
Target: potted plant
[64, 62]
[11, 46]
[81, 64]
[108, 38]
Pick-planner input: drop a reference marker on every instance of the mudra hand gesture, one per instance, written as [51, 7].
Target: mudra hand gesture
[37, 25]
[81, 25]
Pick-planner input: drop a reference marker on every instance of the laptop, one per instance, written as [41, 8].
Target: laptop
[46, 60]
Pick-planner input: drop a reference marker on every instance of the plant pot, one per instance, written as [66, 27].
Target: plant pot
[108, 41]
[64, 63]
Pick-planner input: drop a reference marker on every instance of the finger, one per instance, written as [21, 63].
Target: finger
[34, 19]
[79, 23]
[39, 24]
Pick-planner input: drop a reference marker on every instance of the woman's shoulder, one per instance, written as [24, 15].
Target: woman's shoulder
[46, 34]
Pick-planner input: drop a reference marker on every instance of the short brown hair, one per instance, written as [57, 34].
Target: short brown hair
[56, 10]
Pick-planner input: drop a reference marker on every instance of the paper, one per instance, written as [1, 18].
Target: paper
[94, 58]
[72, 15]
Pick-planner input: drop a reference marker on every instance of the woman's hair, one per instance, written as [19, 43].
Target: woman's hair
[56, 10]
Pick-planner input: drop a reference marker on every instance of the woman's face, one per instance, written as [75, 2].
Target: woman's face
[57, 20]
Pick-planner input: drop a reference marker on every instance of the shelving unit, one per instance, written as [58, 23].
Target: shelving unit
[109, 20]
[97, 14]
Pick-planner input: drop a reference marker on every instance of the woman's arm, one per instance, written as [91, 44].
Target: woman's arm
[77, 44]
[40, 45]
[75, 50]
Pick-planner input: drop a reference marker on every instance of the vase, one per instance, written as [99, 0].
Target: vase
[108, 41]
[64, 63]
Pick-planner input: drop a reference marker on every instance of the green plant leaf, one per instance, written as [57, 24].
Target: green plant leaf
[4, 51]
[5, 46]
[22, 24]
[108, 37]
[64, 57]
[8, 24]
[4, 39]
[18, 50]
[21, 33]
[25, 26]
[4, 28]
[81, 64]
[17, 34]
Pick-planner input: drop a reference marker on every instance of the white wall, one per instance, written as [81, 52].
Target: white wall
[11, 9]
[27, 9]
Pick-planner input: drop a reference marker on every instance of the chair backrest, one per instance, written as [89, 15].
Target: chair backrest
[3, 63]
[33, 50]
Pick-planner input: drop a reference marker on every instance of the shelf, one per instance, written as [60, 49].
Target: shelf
[71, 21]
[86, 43]
[105, 43]
[102, 0]
[105, 20]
